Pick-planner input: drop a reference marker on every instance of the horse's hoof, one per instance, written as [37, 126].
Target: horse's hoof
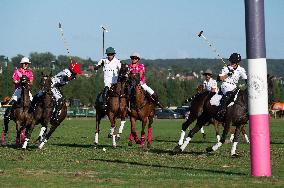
[38, 141]
[138, 141]
[177, 149]
[130, 143]
[109, 135]
[235, 155]
[204, 136]
[209, 149]
[117, 137]
[3, 143]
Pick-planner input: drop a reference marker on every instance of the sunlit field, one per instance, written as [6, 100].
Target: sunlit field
[70, 160]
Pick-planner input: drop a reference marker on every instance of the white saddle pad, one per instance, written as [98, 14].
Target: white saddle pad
[215, 100]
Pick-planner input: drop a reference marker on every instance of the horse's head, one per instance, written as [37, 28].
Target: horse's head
[46, 82]
[123, 72]
[134, 78]
[24, 81]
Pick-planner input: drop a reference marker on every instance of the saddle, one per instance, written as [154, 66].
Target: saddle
[215, 99]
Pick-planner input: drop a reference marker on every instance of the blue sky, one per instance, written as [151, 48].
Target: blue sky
[157, 29]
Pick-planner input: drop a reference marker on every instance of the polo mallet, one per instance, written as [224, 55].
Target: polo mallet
[104, 30]
[64, 40]
[5, 105]
[214, 49]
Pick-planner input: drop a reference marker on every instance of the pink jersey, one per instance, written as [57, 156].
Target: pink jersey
[138, 68]
[18, 73]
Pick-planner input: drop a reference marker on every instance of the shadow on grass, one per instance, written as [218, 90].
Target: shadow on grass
[176, 141]
[119, 161]
[171, 152]
[276, 142]
[84, 145]
[19, 147]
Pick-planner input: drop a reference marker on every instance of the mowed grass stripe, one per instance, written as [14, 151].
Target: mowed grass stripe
[69, 159]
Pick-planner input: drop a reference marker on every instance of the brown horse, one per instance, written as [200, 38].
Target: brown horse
[141, 108]
[116, 105]
[45, 112]
[196, 109]
[236, 115]
[44, 105]
[20, 112]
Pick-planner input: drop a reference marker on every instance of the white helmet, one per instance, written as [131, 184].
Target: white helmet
[135, 54]
[25, 60]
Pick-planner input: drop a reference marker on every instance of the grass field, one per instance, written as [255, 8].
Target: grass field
[69, 160]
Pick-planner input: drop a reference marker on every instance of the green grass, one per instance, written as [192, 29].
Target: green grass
[69, 160]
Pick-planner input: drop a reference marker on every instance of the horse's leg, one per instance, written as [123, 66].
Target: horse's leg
[149, 135]
[144, 123]
[98, 121]
[217, 129]
[51, 130]
[42, 133]
[232, 135]
[122, 123]
[243, 129]
[201, 121]
[5, 130]
[112, 120]
[235, 141]
[191, 118]
[23, 136]
[203, 133]
[18, 133]
[223, 138]
[29, 130]
[133, 134]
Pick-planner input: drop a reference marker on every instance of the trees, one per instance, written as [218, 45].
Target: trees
[171, 92]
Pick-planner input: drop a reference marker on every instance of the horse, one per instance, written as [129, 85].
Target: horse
[236, 115]
[44, 107]
[195, 110]
[44, 112]
[116, 105]
[21, 115]
[141, 108]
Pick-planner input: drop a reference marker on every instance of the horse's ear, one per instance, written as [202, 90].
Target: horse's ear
[41, 73]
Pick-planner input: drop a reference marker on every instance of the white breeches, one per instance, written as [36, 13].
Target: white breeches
[17, 94]
[108, 81]
[225, 87]
[147, 88]
[56, 93]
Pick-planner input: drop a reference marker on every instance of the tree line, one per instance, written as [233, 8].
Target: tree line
[161, 75]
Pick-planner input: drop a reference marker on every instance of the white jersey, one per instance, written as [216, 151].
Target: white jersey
[61, 78]
[110, 69]
[230, 83]
[210, 84]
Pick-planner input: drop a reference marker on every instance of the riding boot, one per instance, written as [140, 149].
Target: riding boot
[223, 106]
[58, 107]
[8, 110]
[34, 102]
[155, 98]
[105, 93]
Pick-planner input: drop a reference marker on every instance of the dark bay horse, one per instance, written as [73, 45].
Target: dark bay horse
[196, 109]
[141, 108]
[44, 111]
[20, 112]
[236, 115]
[44, 106]
[116, 105]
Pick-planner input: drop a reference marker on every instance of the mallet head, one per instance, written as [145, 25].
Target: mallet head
[200, 33]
